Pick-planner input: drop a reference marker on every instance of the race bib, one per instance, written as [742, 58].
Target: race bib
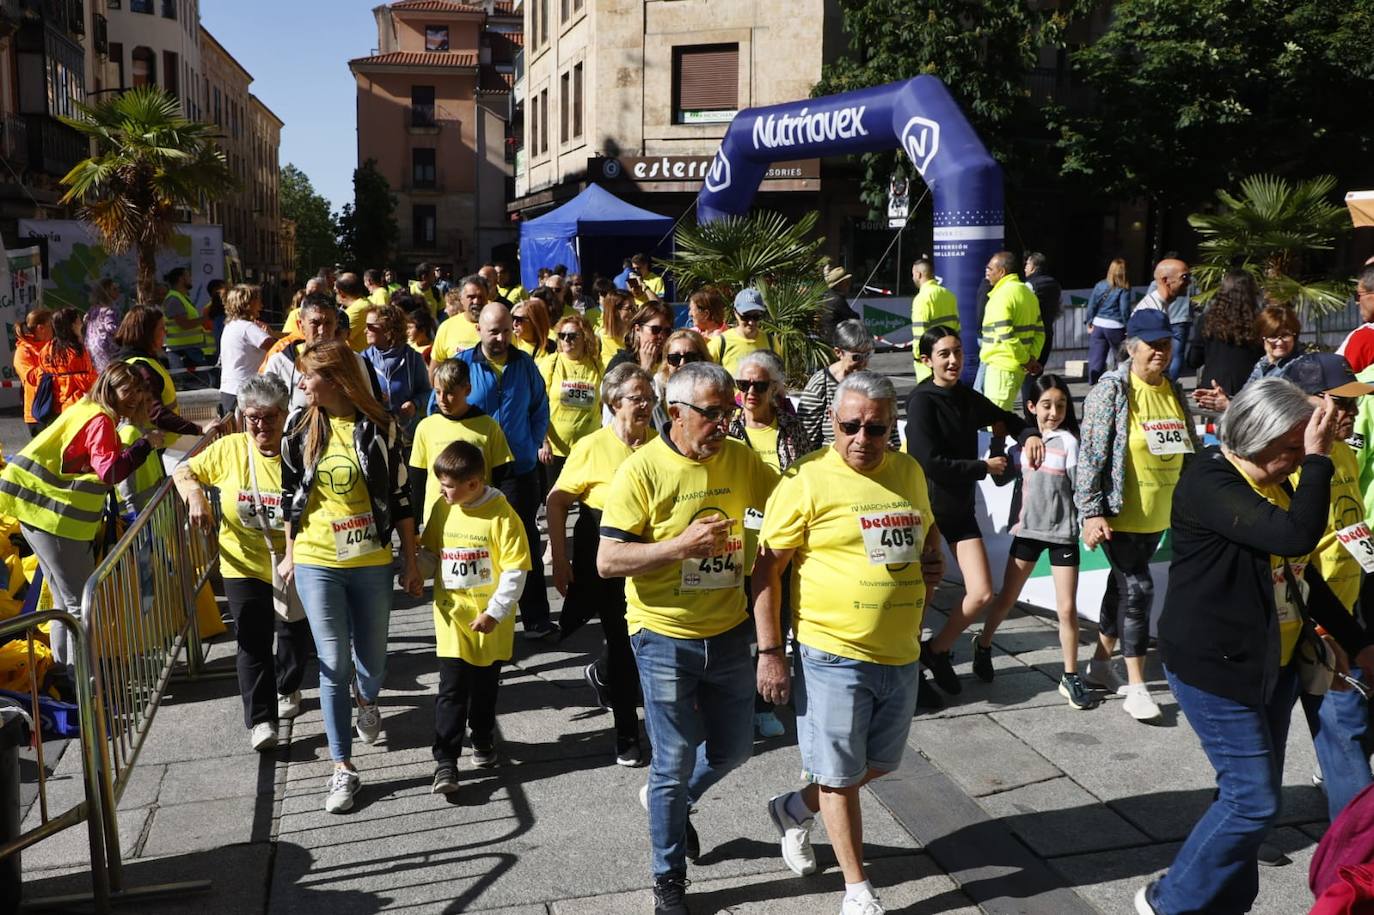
[250, 517]
[463, 568]
[1167, 436]
[580, 395]
[1285, 601]
[891, 537]
[355, 536]
[1359, 542]
[753, 519]
[724, 570]
[1356, 441]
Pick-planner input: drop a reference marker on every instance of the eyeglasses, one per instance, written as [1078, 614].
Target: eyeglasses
[858, 357]
[657, 330]
[1348, 404]
[871, 430]
[746, 386]
[641, 401]
[676, 359]
[710, 414]
[1279, 338]
[259, 420]
[569, 337]
[1360, 295]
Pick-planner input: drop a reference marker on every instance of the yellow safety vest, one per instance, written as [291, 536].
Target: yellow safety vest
[168, 395]
[1012, 333]
[934, 305]
[34, 488]
[178, 338]
[138, 487]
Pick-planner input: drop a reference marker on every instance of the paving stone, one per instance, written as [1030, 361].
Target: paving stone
[207, 825]
[1057, 817]
[200, 780]
[72, 848]
[1014, 689]
[979, 754]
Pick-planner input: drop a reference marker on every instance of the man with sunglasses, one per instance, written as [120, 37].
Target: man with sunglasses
[1169, 293]
[1358, 346]
[673, 527]
[856, 523]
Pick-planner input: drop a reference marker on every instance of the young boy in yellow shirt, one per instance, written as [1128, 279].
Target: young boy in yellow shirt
[483, 558]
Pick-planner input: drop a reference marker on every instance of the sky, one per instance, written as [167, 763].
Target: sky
[298, 53]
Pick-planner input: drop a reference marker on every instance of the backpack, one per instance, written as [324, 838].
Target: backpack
[45, 405]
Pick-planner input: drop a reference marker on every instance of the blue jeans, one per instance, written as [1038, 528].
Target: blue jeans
[699, 711]
[1103, 347]
[1216, 871]
[1180, 332]
[349, 612]
[1339, 723]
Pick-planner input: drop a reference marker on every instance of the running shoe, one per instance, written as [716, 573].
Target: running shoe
[629, 752]
[541, 631]
[768, 725]
[927, 697]
[1139, 705]
[794, 836]
[264, 736]
[369, 724]
[941, 668]
[1073, 689]
[1144, 899]
[445, 779]
[670, 895]
[289, 706]
[343, 784]
[484, 752]
[600, 691]
[982, 661]
[867, 904]
[1099, 674]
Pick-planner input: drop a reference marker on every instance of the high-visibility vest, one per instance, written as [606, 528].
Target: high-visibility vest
[933, 305]
[169, 391]
[35, 489]
[137, 488]
[179, 338]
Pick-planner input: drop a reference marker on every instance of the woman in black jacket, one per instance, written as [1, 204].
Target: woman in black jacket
[1241, 602]
[344, 490]
[943, 417]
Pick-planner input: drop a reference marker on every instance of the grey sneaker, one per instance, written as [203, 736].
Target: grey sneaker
[484, 753]
[1074, 690]
[445, 779]
[1100, 673]
[369, 724]
[343, 784]
[794, 836]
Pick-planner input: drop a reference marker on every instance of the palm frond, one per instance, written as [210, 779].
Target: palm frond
[792, 306]
[738, 251]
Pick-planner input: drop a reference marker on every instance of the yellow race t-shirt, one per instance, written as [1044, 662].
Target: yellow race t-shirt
[730, 347]
[1346, 534]
[513, 294]
[609, 347]
[437, 431]
[574, 390]
[224, 465]
[473, 545]
[857, 587]
[456, 334]
[656, 495]
[1156, 444]
[337, 528]
[764, 443]
[1286, 604]
[592, 465]
[357, 323]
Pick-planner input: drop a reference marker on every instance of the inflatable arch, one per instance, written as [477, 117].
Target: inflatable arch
[918, 116]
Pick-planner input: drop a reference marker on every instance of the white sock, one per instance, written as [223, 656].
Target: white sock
[858, 890]
[797, 809]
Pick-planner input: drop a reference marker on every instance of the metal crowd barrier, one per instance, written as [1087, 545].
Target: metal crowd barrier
[138, 612]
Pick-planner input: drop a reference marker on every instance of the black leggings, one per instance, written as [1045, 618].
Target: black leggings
[617, 662]
[263, 677]
[1129, 619]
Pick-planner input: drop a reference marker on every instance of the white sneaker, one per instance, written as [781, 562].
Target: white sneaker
[264, 736]
[289, 706]
[1139, 705]
[343, 784]
[867, 904]
[794, 836]
[1101, 674]
[369, 723]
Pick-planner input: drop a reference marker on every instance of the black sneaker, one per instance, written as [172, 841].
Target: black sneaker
[982, 661]
[670, 895]
[445, 778]
[941, 668]
[629, 752]
[926, 695]
[691, 843]
[1077, 692]
[1269, 856]
[600, 692]
[483, 752]
[541, 631]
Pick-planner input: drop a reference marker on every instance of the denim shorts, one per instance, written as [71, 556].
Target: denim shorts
[852, 716]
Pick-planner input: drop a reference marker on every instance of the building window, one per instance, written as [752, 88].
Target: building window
[422, 226]
[705, 83]
[543, 21]
[534, 125]
[564, 106]
[577, 6]
[577, 101]
[117, 58]
[544, 121]
[422, 106]
[219, 111]
[169, 9]
[565, 9]
[113, 4]
[144, 67]
[171, 73]
[422, 173]
[436, 38]
[141, 6]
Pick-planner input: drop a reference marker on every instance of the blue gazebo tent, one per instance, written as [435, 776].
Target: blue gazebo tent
[592, 233]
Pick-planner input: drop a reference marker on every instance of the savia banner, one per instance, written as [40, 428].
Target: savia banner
[21, 291]
[917, 116]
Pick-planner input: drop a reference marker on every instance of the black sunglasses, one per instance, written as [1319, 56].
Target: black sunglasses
[746, 386]
[872, 430]
[676, 359]
[569, 337]
[517, 319]
[710, 414]
[655, 329]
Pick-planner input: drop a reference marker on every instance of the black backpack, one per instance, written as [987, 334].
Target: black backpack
[45, 405]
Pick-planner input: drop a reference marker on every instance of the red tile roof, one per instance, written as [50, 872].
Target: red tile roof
[493, 80]
[419, 58]
[436, 6]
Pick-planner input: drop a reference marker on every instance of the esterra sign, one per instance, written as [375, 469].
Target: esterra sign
[648, 169]
[917, 116]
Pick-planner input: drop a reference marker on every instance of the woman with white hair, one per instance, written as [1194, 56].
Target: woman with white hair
[1243, 608]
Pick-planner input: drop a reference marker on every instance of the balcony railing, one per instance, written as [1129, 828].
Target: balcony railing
[423, 182]
[54, 148]
[421, 116]
[14, 139]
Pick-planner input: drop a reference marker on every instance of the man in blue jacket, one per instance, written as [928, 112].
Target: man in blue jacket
[507, 385]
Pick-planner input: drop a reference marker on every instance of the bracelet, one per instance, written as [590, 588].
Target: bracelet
[776, 649]
[1321, 630]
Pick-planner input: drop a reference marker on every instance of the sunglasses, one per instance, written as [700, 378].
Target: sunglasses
[374, 327]
[1348, 404]
[710, 414]
[751, 317]
[655, 329]
[569, 337]
[759, 386]
[676, 359]
[871, 430]
[518, 319]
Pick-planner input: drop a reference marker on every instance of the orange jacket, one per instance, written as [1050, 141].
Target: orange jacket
[73, 375]
[27, 354]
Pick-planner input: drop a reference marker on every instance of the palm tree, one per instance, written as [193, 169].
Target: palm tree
[149, 162]
[737, 251]
[1268, 232]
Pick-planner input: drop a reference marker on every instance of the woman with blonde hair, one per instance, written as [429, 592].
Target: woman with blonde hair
[617, 310]
[531, 323]
[1109, 305]
[344, 490]
[572, 378]
[30, 336]
[244, 343]
[684, 347]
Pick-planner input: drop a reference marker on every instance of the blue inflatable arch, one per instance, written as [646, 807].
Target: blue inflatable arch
[918, 116]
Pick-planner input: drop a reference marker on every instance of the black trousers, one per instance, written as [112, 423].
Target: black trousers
[264, 676]
[466, 701]
[524, 495]
[617, 662]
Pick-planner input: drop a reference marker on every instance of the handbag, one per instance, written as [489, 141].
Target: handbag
[286, 601]
[1316, 666]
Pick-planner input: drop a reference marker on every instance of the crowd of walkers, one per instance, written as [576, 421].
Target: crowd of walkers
[740, 549]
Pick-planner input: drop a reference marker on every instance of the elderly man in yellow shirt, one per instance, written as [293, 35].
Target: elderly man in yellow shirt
[855, 522]
[459, 331]
[1012, 333]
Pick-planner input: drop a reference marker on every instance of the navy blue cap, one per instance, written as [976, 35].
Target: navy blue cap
[1148, 324]
[1325, 373]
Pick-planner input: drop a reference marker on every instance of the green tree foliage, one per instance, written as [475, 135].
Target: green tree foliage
[1268, 231]
[982, 51]
[317, 242]
[1195, 94]
[149, 162]
[367, 228]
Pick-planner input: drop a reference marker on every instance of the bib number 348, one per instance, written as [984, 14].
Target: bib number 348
[1167, 436]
